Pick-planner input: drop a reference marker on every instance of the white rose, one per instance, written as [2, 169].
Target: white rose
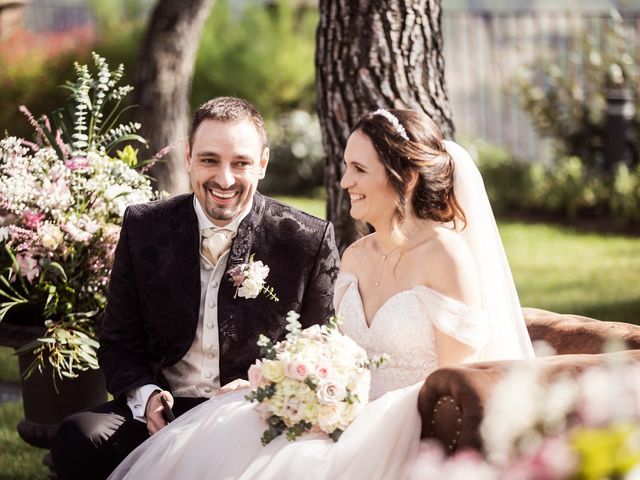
[273, 370]
[250, 288]
[330, 392]
[258, 271]
[329, 416]
[294, 410]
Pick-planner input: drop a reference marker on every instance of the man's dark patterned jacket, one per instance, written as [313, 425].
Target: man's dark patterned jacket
[154, 294]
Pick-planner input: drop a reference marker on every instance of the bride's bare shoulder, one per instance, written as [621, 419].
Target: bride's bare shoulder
[452, 268]
[353, 256]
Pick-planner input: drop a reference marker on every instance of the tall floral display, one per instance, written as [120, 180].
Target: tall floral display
[62, 198]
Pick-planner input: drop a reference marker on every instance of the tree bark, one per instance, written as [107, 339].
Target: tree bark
[374, 54]
[162, 81]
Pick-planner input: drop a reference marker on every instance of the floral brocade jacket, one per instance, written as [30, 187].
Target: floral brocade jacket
[154, 293]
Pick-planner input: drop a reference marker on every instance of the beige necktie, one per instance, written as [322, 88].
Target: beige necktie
[215, 241]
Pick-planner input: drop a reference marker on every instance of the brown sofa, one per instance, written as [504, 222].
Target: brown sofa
[452, 399]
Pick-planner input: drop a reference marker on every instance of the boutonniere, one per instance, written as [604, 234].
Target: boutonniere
[248, 278]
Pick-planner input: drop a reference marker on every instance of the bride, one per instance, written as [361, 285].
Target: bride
[431, 287]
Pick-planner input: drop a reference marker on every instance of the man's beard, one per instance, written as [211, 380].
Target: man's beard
[222, 212]
[216, 212]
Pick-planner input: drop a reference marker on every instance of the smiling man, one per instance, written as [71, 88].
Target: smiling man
[175, 330]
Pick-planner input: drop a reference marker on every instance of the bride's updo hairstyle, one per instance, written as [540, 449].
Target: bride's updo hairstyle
[409, 148]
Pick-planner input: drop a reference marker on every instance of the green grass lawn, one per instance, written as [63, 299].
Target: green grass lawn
[18, 461]
[555, 268]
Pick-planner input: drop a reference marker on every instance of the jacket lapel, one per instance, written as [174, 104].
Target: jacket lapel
[242, 243]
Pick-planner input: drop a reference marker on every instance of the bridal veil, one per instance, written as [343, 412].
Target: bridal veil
[508, 337]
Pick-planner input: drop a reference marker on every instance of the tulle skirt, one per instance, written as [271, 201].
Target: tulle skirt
[220, 439]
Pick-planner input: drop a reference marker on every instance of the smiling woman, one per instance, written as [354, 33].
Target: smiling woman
[226, 158]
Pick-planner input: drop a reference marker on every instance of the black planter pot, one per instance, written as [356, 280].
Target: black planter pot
[44, 406]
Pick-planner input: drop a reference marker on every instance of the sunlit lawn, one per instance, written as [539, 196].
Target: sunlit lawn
[555, 268]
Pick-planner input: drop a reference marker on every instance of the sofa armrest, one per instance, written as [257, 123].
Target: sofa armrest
[452, 400]
[569, 334]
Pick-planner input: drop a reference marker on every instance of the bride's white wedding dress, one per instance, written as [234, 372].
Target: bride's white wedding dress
[220, 439]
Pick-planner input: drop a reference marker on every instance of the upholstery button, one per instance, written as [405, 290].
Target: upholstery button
[210, 356]
[215, 284]
[207, 389]
[207, 346]
[209, 324]
[208, 374]
[212, 303]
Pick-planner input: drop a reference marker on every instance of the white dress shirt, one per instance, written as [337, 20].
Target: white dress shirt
[197, 374]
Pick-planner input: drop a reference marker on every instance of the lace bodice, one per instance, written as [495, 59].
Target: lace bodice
[404, 329]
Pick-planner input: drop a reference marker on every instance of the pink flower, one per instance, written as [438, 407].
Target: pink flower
[322, 372]
[237, 275]
[76, 163]
[28, 266]
[255, 374]
[297, 369]
[33, 219]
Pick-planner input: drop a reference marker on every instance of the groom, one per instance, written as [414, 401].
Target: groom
[175, 327]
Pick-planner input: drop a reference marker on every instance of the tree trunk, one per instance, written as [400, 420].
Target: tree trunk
[162, 81]
[372, 54]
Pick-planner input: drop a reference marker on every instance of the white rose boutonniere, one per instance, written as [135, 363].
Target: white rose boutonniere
[249, 280]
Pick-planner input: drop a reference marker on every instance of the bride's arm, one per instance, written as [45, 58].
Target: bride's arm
[453, 273]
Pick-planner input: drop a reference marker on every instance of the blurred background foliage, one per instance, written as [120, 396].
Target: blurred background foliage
[262, 53]
[265, 52]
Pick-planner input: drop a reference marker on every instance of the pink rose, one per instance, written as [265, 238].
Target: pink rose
[322, 372]
[33, 219]
[297, 369]
[255, 374]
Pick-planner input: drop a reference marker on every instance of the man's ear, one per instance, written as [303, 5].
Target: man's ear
[264, 161]
[187, 158]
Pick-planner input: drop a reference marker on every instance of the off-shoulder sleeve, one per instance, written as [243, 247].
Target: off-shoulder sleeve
[456, 319]
[343, 282]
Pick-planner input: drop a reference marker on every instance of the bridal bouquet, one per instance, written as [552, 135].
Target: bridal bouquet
[61, 204]
[316, 380]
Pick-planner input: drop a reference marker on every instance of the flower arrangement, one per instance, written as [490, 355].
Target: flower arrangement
[249, 280]
[61, 203]
[584, 427]
[316, 380]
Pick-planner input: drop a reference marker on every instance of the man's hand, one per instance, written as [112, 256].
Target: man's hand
[153, 412]
[234, 385]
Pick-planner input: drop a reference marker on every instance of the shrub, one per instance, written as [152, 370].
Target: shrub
[566, 99]
[567, 189]
[296, 165]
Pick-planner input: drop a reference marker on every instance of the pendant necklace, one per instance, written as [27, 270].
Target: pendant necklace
[384, 261]
[385, 256]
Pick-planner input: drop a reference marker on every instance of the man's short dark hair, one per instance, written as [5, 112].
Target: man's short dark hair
[228, 109]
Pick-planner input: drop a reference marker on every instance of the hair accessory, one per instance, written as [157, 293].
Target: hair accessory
[394, 121]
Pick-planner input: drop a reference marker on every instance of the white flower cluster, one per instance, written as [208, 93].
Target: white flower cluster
[316, 380]
[48, 205]
[250, 280]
